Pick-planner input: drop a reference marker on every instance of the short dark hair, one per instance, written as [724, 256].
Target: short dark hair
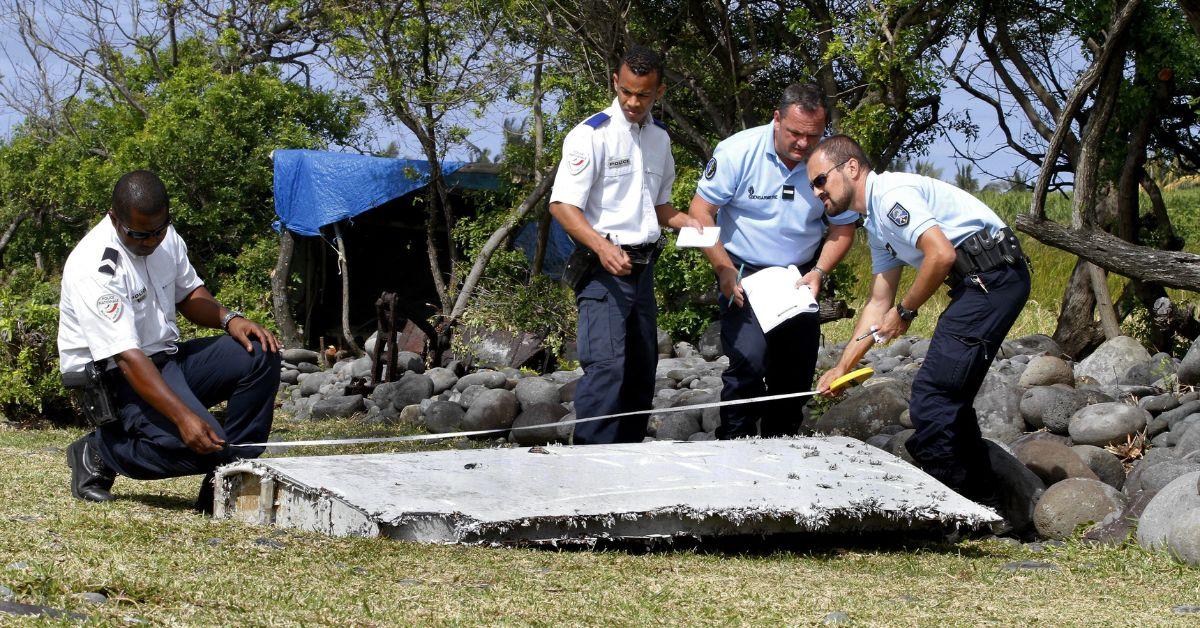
[840, 148]
[807, 96]
[642, 61]
[139, 191]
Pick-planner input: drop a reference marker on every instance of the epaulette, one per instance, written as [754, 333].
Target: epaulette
[596, 120]
[660, 124]
[109, 261]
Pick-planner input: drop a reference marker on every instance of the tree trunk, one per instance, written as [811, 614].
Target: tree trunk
[344, 271]
[8, 232]
[1075, 337]
[280, 304]
[539, 134]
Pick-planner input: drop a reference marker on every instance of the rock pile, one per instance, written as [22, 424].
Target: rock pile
[1106, 445]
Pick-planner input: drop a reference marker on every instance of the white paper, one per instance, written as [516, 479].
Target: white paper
[773, 294]
[690, 237]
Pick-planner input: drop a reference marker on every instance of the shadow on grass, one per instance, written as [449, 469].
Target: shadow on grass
[164, 502]
[820, 546]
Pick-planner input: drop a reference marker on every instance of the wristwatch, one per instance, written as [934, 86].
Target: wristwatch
[906, 314]
[230, 315]
[824, 275]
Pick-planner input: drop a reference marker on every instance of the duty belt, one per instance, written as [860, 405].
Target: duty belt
[982, 252]
[644, 253]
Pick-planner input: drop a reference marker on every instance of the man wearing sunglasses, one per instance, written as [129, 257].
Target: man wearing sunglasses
[950, 237]
[121, 288]
[756, 189]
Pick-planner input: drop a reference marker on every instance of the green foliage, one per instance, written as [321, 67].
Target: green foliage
[30, 386]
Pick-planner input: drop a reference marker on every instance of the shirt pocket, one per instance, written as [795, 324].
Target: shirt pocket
[167, 293]
[654, 177]
[618, 166]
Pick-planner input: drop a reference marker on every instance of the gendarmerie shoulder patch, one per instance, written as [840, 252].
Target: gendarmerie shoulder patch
[109, 261]
[898, 215]
[710, 170]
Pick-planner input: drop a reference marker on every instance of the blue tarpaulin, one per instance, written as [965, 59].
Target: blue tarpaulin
[558, 247]
[316, 188]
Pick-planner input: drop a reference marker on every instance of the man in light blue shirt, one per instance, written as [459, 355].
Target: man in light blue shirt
[756, 188]
[950, 237]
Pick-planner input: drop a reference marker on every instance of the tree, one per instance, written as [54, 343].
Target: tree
[964, 178]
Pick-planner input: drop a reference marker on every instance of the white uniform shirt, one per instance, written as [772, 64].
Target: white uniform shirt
[113, 301]
[902, 206]
[769, 215]
[617, 173]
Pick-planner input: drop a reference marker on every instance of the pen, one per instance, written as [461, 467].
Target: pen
[739, 277]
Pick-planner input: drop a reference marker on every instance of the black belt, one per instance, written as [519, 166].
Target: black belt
[644, 253]
[982, 251]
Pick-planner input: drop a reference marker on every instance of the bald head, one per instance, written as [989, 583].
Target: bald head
[139, 192]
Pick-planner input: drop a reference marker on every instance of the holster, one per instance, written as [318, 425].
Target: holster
[982, 252]
[90, 388]
[580, 266]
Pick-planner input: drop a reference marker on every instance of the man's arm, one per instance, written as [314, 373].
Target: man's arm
[705, 213]
[612, 257]
[200, 307]
[883, 293]
[939, 259]
[147, 382]
[837, 244]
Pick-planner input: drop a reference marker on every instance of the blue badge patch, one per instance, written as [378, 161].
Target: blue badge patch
[898, 215]
[710, 170]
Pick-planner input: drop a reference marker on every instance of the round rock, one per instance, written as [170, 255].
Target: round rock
[443, 379]
[1183, 539]
[1106, 423]
[412, 388]
[865, 411]
[494, 408]
[297, 356]
[1073, 502]
[531, 391]
[1111, 360]
[1035, 344]
[1046, 370]
[290, 376]
[1153, 475]
[547, 414]
[487, 379]
[1169, 506]
[1189, 368]
[337, 407]
[1107, 467]
[442, 417]
[1052, 462]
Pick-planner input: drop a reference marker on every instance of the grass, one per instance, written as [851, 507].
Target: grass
[158, 562]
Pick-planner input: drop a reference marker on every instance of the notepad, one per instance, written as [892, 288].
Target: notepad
[773, 294]
[690, 237]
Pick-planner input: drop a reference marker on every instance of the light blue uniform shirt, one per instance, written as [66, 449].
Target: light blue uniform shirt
[902, 206]
[769, 215]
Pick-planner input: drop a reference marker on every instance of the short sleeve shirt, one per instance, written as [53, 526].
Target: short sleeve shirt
[113, 301]
[769, 215]
[902, 206]
[617, 173]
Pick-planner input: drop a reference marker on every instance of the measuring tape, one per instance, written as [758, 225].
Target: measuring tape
[838, 384]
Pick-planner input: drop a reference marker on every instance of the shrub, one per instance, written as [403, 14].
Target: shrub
[30, 385]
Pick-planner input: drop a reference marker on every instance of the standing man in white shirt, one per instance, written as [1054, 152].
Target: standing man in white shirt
[121, 287]
[611, 194]
[756, 189]
[951, 238]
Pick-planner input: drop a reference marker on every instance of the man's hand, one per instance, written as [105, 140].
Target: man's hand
[692, 222]
[727, 279]
[892, 327]
[243, 329]
[198, 435]
[828, 378]
[614, 259]
[813, 281]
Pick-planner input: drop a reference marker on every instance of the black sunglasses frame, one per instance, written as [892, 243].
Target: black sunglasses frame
[143, 235]
[820, 180]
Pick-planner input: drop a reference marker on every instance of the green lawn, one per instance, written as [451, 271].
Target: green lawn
[157, 561]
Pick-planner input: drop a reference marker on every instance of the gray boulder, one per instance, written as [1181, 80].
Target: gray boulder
[998, 407]
[308, 367]
[710, 341]
[1189, 368]
[1189, 438]
[1107, 467]
[1036, 400]
[699, 436]
[665, 350]
[1111, 360]
[337, 407]
[1019, 488]
[494, 408]
[1052, 462]
[360, 367]
[467, 397]
[895, 445]
[684, 349]
[442, 417]
[547, 414]
[531, 391]
[880, 441]
[1152, 475]
[409, 361]
[865, 411]
[1172, 504]
[1115, 528]
[1057, 413]
[1074, 502]
[1036, 344]
[1180, 413]
[297, 356]
[919, 349]
[443, 379]
[487, 379]
[289, 376]
[566, 392]
[314, 382]
[1183, 539]
[710, 419]
[412, 388]
[1046, 370]
[1157, 404]
[1106, 423]
[1146, 373]
[674, 425]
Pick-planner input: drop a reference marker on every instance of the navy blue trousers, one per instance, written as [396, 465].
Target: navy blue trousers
[947, 443]
[145, 445]
[618, 350]
[779, 362]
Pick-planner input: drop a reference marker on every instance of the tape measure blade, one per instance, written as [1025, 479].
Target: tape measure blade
[851, 378]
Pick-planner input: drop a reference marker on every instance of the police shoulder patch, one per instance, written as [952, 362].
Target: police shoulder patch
[898, 215]
[710, 170]
[109, 261]
[596, 120]
[577, 162]
[109, 305]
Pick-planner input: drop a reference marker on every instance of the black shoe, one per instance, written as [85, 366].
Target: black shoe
[204, 501]
[91, 479]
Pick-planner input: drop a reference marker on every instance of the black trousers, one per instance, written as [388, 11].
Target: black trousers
[145, 445]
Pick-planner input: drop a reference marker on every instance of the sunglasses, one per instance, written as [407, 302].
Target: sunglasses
[144, 235]
[821, 179]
